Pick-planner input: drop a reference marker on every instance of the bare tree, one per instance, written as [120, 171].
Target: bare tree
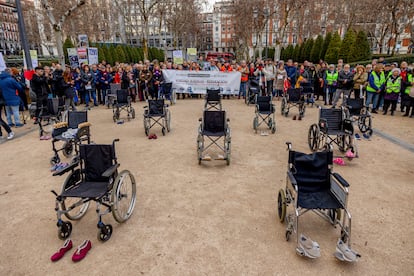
[61, 11]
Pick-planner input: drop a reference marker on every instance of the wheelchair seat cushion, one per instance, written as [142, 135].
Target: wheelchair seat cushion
[87, 190]
[97, 159]
[318, 200]
[265, 108]
[294, 94]
[214, 123]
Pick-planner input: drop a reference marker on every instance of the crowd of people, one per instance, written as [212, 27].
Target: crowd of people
[383, 85]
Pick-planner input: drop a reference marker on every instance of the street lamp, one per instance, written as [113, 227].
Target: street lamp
[23, 38]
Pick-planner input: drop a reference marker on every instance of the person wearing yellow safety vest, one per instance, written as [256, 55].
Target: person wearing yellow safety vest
[331, 82]
[408, 95]
[392, 90]
[376, 82]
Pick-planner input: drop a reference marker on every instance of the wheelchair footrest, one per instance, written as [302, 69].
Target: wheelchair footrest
[307, 247]
[344, 253]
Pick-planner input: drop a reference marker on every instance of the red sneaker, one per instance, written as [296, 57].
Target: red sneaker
[65, 248]
[82, 250]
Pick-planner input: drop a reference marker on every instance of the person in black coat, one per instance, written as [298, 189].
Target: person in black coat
[40, 87]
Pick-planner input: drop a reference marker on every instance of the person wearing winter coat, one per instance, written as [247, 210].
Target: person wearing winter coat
[89, 85]
[10, 133]
[11, 89]
[345, 84]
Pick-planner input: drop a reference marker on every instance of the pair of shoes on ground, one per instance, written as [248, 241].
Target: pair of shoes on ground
[299, 118]
[307, 247]
[357, 136]
[58, 167]
[45, 137]
[77, 256]
[349, 154]
[152, 136]
[339, 161]
[366, 136]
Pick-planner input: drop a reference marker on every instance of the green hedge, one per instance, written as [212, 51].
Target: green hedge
[400, 58]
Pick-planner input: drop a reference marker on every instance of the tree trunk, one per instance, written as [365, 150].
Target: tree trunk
[59, 45]
[145, 40]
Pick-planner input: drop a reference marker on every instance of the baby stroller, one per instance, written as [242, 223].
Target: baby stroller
[95, 177]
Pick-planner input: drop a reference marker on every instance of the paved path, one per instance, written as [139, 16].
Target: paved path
[394, 140]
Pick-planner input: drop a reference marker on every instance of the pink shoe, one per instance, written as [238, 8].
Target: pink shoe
[339, 161]
[350, 154]
[62, 251]
[82, 250]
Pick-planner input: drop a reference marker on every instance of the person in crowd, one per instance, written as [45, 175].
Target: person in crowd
[226, 68]
[10, 90]
[105, 82]
[408, 98]
[213, 65]
[291, 71]
[145, 80]
[269, 71]
[392, 91]
[376, 82]
[69, 90]
[345, 84]
[19, 77]
[79, 91]
[156, 80]
[57, 82]
[118, 75]
[40, 86]
[132, 84]
[360, 81]
[89, 85]
[319, 82]
[97, 76]
[281, 76]
[244, 71]
[387, 74]
[404, 76]
[10, 133]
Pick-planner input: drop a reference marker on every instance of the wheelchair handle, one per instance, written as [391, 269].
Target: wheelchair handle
[289, 145]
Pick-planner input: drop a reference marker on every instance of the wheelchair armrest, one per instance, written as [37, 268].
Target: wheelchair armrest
[292, 180]
[111, 170]
[340, 179]
[65, 170]
[289, 145]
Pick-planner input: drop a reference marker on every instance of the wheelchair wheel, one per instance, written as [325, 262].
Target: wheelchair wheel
[200, 148]
[255, 123]
[163, 131]
[146, 126]
[302, 109]
[123, 196]
[132, 113]
[313, 137]
[284, 107]
[365, 123]
[228, 152]
[168, 120]
[68, 149]
[64, 230]
[345, 143]
[79, 211]
[281, 205]
[105, 233]
[54, 160]
[273, 127]
[173, 98]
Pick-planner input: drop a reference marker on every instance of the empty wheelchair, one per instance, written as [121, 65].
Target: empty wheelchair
[312, 186]
[333, 128]
[264, 113]
[95, 177]
[253, 89]
[213, 99]
[50, 115]
[72, 133]
[123, 102]
[356, 111]
[110, 98]
[293, 98]
[157, 113]
[166, 92]
[213, 127]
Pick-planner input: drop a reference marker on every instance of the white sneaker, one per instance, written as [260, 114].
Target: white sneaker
[344, 253]
[10, 135]
[308, 247]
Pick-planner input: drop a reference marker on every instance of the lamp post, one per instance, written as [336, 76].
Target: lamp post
[23, 38]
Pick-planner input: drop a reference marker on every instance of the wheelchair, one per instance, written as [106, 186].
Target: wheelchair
[94, 176]
[312, 186]
[72, 133]
[214, 126]
[123, 102]
[293, 98]
[50, 115]
[356, 111]
[166, 92]
[111, 95]
[157, 113]
[333, 128]
[253, 89]
[213, 99]
[265, 111]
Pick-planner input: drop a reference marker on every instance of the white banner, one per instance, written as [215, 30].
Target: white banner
[2, 63]
[197, 82]
[93, 56]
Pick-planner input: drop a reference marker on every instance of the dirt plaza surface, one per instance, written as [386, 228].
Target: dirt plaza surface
[209, 219]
